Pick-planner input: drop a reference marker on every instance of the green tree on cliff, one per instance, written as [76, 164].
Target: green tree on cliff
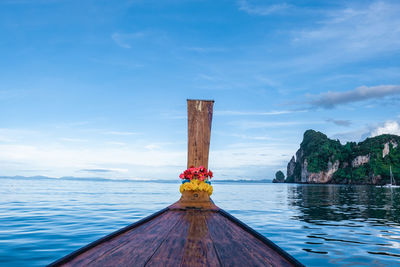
[366, 162]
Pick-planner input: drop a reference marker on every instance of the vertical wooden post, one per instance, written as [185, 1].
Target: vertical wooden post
[199, 131]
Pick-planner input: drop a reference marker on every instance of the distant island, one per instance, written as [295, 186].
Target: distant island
[325, 161]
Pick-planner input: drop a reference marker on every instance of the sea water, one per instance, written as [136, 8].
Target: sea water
[42, 220]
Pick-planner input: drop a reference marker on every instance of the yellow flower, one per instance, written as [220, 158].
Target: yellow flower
[196, 185]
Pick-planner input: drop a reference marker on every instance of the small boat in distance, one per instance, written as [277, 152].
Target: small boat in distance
[392, 181]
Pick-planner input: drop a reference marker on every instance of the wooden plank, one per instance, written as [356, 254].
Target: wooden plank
[268, 243]
[170, 252]
[187, 244]
[199, 131]
[237, 247]
[199, 248]
[204, 206]
[105, 239]
[133, 248]
[186, 237]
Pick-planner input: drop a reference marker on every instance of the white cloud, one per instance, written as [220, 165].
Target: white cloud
[122, 133]
[206, 77]
[53, 155]
[255, 113]
[5, 139]
[249, 154]
[136, 159]
[389, 127]
[356, 135]
[124, 39]
[331, 99]
[249, 137]
[71, 124]
[115, 143]
[246, 124]
[152, 146]
[105, 170]
[345, 123]
[255, 7]
[365, 29]
[199, 49]
[65, 160]
[8, 135]
[145, 38]
[73, 140]
[133, 162]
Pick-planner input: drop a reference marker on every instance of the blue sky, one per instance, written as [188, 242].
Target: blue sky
[99, 88]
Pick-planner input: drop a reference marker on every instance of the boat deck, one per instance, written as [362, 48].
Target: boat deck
[182, 237]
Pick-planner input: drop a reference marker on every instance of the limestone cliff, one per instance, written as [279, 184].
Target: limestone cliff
[359, 160]
[323, 160]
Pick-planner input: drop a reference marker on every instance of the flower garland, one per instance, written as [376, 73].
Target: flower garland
[196, 179]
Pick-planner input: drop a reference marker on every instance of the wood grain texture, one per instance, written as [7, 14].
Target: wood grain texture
[195, 199]
[183, 237]
[133, 247]
[170, 252]
[199, 131]
[199, 249]
[203, 205]
[237, 247]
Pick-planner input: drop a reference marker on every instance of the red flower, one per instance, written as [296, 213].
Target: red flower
[199, 173]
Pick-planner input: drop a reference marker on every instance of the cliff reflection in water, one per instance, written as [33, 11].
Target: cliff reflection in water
[321, 203]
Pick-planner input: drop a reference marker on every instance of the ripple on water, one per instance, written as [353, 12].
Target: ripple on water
[321, 225]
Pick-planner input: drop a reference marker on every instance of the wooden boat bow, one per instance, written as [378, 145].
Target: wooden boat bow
[182, 237]
[191, 232]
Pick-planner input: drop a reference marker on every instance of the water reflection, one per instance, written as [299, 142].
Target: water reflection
[333, 203]
[320, 225]
[348, 225]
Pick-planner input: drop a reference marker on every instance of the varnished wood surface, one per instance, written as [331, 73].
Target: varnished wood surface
[184, 237]
[194, 199]
[199, 131]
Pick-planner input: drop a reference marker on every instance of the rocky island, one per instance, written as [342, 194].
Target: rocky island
[323, 160]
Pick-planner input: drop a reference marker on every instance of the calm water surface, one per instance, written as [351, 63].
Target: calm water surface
[321, 225]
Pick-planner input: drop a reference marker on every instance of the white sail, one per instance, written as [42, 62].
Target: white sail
[392, 182]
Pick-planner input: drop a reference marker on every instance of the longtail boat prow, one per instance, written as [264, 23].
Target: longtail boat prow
[191, 232]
